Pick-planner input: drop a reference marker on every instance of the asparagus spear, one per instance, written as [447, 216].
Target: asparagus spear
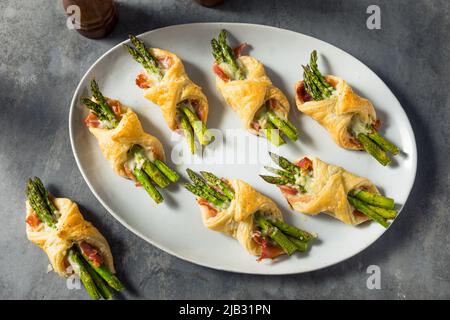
[142, 55]
[275, 234]
[273, 134]
[279, 181]
[285, 163]
[200, 129]
[149, 168]
[282, 125]
[315, 84]
[98, 111]
[147, 184]
[189, 131]
[384, 144]
[302, 246]
[110, 278]
[229, 56]
[216, 181]
[140, 59]
[373, 199]
[373, 149]
[310, 87]
[55, 212]
[105, 274]
[217, 51]
[199, 182]
[169, 173]
[279, 172]
[100, 284]
[314, 81]
[223, 53]
[37, 202]
[94, 107]
[291, 230]
[205, 195]
[77, 265]
[317, 73]
[291, 125]
[157, 170]
[101, 101]
[270, 131]
[363, 208]
[155, 174]
[385, 213]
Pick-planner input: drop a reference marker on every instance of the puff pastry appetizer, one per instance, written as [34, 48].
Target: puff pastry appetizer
[72, 244]
[244, 84]
[350, 119]
[312, 186]
[236, 209]
[165, 83]
[132, 153]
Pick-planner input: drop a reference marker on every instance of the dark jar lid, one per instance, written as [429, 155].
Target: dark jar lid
[97, 17]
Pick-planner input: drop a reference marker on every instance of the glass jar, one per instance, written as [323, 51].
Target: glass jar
[97, 17]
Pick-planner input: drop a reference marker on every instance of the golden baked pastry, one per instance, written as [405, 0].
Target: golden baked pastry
[166, 83]
[71, 228]
[312, 186]
[245, 86]
[235, 208]
[336, 113]
[72, 244]
[237, 220]
[131, 152]
[115, 143]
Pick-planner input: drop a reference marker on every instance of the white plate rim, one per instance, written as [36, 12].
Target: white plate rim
[186, 258]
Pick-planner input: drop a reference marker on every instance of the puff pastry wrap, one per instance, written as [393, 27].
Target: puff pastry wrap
[328, 193]
[115, 143]
[336, 113]
[174, 88]
[237, 220]
[247, 96]
[71, 228]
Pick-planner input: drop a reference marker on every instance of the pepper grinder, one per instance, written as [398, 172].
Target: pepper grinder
[97, 17]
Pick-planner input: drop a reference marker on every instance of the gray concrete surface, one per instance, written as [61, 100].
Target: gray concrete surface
[41, 62]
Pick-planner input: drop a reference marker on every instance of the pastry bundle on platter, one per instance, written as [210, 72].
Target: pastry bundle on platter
[350, 119]
[245, 86]
[312, 186]
[235, 208]
[131, 152]
[72, 244]
[165, 83]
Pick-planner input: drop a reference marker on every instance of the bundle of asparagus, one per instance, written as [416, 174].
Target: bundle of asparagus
[187, 116]
[267, 118]
[93, 273]
[289, 238]
[376, 207]
[148, 173]
[296, 178]
[219, 194]
[100, 108]
[211, 188]
[319, 89]
[145, 171]
[293, 177]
